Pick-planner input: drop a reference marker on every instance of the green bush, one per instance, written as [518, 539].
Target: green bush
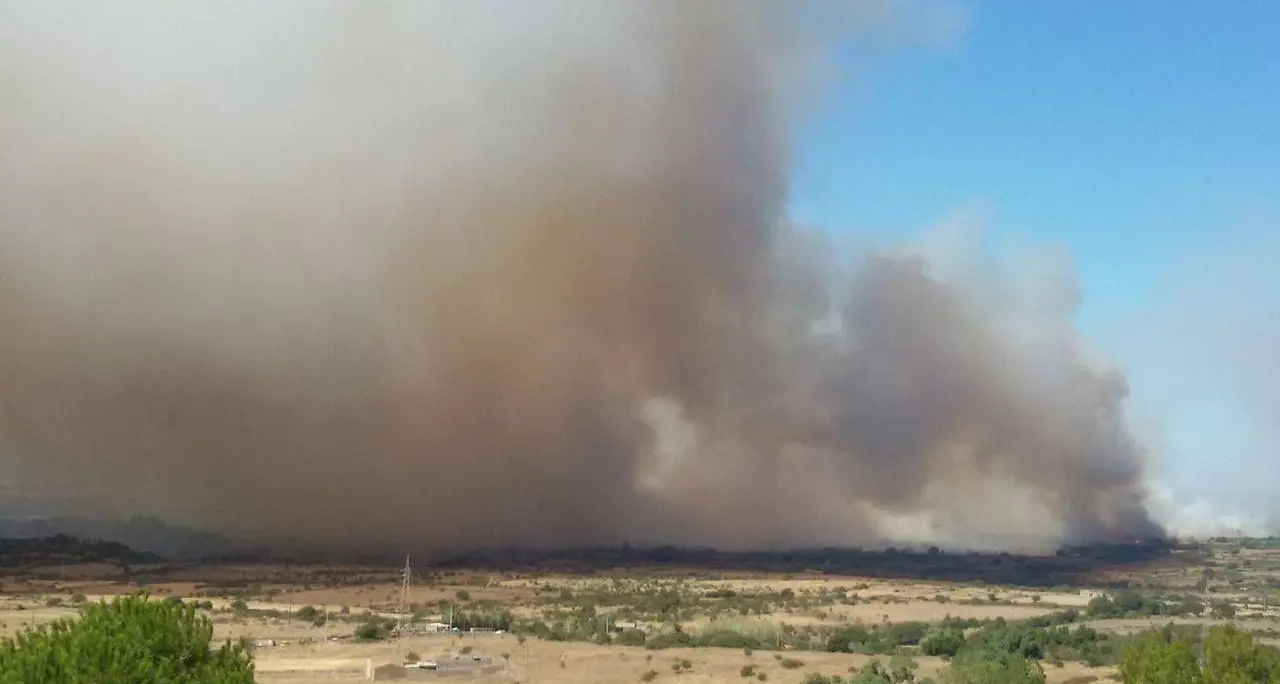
[1004, 669]
[630, 637]
[667, 640]
[847, 639]
[791, 663]
[129, 641]
[1230, 656]
[727, 638]
[945, 643]
[372, 630]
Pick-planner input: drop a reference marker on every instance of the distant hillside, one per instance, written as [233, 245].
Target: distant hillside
[63, 548]
[143, 534]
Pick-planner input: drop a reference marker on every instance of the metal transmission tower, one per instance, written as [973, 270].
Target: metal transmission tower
[406, 582]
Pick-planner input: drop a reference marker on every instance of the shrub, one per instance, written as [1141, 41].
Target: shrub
[845, 640]
[373, 630]
[78, 598]
[411, 657]
[53, 601]
[462, 595]
[466, 650]
[630, 637]
[728, 638]
[130, 640]
[875, 673]
[747, 671]
[790, 663]
[945, 643]
[763, 676]
[666, 640]
[1005, 669]
[649, 676]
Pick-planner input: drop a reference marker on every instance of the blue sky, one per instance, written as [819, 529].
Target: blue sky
[1144, 136]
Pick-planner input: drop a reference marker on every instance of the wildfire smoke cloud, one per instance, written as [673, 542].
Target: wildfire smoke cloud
[478, 273]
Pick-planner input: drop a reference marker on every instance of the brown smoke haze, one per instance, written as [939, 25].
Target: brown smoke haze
[490, 273]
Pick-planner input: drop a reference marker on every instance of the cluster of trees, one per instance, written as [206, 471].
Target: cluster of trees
[858, 639]
[131, 640]
[1163, 656]
[1230, 657]
[1132, 604]
[1035, 642]
[1004, 669]
[375, 629]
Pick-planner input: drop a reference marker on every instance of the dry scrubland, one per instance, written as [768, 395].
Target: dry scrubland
[590, 626]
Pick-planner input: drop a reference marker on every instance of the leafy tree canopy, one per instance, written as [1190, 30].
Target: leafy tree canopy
[1230, 657]
[129, 641]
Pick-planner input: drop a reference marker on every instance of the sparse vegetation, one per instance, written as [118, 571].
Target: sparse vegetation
[952, 629]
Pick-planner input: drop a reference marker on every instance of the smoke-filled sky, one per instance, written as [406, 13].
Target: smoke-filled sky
[1141, 136]
[495, 272]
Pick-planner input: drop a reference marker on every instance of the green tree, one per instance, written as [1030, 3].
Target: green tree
[131, 640]
[945, 642]
[1232, 657]
[1159, 658]
[1009, 668]
[372, 630]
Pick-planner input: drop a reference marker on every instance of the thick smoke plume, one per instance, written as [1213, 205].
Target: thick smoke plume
[477, 273]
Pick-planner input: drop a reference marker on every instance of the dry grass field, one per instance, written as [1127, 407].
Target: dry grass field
[281, 610]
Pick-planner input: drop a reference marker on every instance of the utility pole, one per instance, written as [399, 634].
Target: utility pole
[406, 581]
[1204, 625]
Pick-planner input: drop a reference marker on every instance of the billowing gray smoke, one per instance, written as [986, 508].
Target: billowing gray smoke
[474, 273]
